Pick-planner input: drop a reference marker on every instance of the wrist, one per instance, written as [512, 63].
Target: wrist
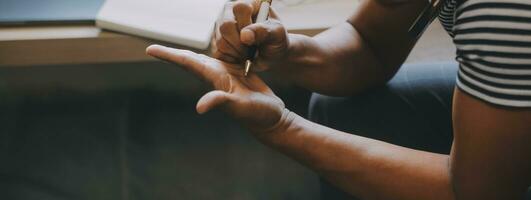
[297, 46]
[290, 53]
[273, 135]
[305, 57]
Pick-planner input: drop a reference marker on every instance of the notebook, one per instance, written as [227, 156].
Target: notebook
[314, 14]
[184, 22]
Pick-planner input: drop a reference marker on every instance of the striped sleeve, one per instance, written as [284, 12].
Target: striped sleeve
[493, 40]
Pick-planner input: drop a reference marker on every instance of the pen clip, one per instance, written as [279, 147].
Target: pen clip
[428, 14]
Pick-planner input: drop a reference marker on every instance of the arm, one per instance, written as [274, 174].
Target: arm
[489, 159]
[491, 154]
[343, 60]
[366, 168]
[358, 54]
[361, 166]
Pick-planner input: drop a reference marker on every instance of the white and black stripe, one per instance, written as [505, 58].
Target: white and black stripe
[446, 16]
[493, 40]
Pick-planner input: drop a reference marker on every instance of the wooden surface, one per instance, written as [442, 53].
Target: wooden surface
[72, 45]
[105, 48]
[68, 45]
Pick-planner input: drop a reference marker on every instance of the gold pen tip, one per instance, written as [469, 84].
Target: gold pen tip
[248, 64]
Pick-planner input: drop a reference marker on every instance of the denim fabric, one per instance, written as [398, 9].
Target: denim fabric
[412, 110]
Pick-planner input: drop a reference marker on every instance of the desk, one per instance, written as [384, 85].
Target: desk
[67, 45]
[64, 45]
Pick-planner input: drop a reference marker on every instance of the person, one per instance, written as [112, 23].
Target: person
[354, 67]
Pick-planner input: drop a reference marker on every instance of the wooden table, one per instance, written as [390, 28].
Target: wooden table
[67, 45]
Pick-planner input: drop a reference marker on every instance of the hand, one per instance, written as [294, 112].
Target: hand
[247, 99]
[235, 33]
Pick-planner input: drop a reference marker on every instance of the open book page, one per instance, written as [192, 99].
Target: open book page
[314, 14]
[185, 22]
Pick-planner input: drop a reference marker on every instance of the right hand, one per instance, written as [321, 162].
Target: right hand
[246, 98]
[235, 33]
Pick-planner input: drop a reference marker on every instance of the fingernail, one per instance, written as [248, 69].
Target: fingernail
[247, 36]
[152, 47]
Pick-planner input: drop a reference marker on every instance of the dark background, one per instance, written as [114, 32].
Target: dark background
[130, 131]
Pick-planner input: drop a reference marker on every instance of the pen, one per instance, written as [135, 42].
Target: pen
[425, 18]
[262, 16]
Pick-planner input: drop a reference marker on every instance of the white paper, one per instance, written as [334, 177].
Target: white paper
[314, 14]
[185, 22]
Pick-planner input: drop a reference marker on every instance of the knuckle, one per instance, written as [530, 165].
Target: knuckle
[227, 24]
[276, 26]
[242, 8]
[188, 52]
[276, 32]
[261, 29]
[184, 52]
[218, 43]
[223, 57]
[223, 47]
[279, 31]
[217, 54]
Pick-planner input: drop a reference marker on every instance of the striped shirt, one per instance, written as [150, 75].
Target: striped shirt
[493, 40]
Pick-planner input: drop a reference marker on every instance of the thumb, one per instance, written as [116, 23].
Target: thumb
[266, 33]
[211, 100]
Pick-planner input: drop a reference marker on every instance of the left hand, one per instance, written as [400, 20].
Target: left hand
[235, 33]
[247, 99]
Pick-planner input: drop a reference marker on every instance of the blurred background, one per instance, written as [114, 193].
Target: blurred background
[84, 114]
[130, 131]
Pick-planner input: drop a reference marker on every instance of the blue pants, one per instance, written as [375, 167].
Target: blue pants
[413, 110]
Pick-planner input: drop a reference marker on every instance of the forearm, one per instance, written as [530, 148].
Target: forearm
[335, 62]
[358, 54]
[363, 167]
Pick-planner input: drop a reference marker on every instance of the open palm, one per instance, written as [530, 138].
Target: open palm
[248, 99]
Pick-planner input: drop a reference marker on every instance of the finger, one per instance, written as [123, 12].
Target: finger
[243, 13]
[212, 100]
[225, 48]
[220, 56]
[227, 27]
[190, 61]
[246, 11]
[248, 37]
[229, 33]
[271, 31]
[226, 16]
[256, 8]
[255, 4]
